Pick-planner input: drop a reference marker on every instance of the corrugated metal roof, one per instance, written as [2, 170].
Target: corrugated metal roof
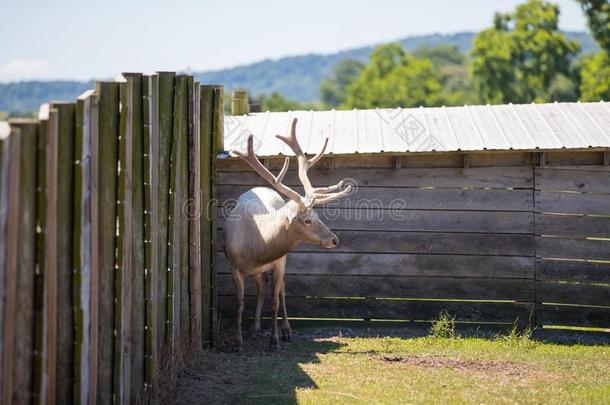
[440, 129]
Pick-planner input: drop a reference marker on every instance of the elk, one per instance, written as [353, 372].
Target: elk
[262, 228]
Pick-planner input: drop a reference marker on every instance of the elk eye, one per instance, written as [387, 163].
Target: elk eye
[307, 221]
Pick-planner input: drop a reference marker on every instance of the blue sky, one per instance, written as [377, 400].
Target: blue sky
[80, 39]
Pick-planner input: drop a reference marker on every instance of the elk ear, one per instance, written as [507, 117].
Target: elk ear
[292, 214]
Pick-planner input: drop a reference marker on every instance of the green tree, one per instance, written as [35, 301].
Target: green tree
[276, 102]
[520, 57]
[595, 69]
[394, 78]
[333, 90]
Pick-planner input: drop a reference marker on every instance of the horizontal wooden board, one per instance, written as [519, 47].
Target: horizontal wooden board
[402, 265]
[563, 248]
[582, 168]
[483, 177]
[418, 198]
[424, 310]
[573, 225]
[394, 287]
[339, 219]
[574, 158]
[423, 242]
[573, 293]
[572, 271]
[593, 181]
[572, 203]
[573, 316]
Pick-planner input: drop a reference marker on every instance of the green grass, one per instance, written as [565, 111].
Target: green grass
[508, 368]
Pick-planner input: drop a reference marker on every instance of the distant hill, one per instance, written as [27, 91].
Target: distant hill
[296, 77]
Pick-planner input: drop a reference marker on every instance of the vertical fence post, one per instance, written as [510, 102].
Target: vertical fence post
[217, 147]
[104, 171]
[19, 282]
[239, 102]
[4, 179]
[196, 214]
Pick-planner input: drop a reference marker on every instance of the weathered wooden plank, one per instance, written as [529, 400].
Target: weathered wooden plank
[419, 310]
[24, 264]
[430, 243]
[195, 213]
[150, 89]
[65, 226]
[40, 332]
[165, 102]
[563, 248]
[4, 180]
[573, 293]
[217, 145]
[483, 177]
[11, 268]
[82, 250]
[421, 221]
[419, 198]
[569, 315]
[49, 391]
[402, 265]
[107, 172]
[574, 158]
[131, 246]
[580, 226]
[206, 101]
[572, 203]
[572, 271]
[183, 216]
[395, 287]
[593, 181]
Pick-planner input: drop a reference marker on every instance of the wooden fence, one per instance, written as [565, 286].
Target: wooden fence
[490, 237]
[106, 240]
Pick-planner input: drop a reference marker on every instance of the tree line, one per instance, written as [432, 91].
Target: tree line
[522, 58]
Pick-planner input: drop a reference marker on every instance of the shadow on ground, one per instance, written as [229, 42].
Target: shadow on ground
[259, 376]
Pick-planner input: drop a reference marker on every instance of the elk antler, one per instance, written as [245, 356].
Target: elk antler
[275, 181]
[319, 195]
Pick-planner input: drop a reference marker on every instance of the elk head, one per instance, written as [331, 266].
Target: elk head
[304, 223]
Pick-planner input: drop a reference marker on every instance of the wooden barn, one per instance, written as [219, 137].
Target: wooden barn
[498, 214]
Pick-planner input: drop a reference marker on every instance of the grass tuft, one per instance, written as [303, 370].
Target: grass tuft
[443, 326]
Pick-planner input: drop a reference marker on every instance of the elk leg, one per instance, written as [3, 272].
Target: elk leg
[260, 299]
[286, 331]
[238, 281]
[275, 306]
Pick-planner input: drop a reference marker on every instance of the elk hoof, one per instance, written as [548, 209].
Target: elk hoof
[286, 335]
[274, 345]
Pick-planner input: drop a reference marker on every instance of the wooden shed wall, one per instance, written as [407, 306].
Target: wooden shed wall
[489, 242]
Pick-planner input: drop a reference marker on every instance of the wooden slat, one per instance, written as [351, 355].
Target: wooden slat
[165, 100]
[573, 225]
[82, 252]
[422, 221]
[573, 315]
[49, 392]
[560, 248]
[572, 203]
[65, 218]
[572, 293]
[23, 282]
[483, 177]
[150, 89]
[395, 287]
[593, 181]
[402, 265]
[572, 271]
[206, 101]
[107, 171]
[184, 226]
[40, 327]
[420, 310]
[195, 213]
[419, 198]
[4, 199]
